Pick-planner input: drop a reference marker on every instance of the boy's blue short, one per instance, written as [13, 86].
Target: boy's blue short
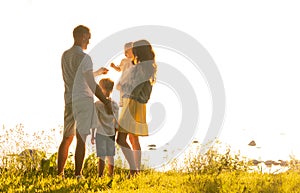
[105, 145]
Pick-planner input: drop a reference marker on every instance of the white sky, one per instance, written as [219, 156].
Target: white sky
[255, 44]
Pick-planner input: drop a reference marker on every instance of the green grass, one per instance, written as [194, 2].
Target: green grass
[153, 181]
[210, 172]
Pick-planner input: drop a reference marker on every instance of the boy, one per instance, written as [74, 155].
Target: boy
[105, 135]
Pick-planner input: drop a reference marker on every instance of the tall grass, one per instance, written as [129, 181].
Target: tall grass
[214, 162]
[27, 167]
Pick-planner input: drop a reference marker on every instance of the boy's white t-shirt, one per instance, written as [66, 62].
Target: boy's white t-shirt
[108, 122]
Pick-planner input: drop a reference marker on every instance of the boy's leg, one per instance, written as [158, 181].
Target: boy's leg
[101, 164]
[111, 163]
[79, 153]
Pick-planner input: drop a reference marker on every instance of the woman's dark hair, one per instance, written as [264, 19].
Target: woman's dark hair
[143, 51]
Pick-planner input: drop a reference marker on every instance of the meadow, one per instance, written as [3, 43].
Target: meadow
[25, 166]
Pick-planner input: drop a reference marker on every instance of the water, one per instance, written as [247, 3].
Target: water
[157, 154]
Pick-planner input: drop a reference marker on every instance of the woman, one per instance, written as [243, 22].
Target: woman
[136, 85]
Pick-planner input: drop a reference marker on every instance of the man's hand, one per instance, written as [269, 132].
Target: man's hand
[100, 71]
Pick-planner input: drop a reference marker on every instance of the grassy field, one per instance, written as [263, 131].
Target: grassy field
[33, 171]
[155, 182]
[216, 178]
[211, 173]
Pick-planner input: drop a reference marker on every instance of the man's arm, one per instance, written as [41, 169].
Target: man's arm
[100, 71]
[89, 77]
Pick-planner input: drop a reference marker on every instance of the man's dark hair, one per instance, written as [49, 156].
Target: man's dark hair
[79, 30]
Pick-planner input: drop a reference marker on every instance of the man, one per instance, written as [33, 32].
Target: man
[80, 88]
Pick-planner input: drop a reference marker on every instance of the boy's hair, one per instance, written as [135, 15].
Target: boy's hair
[107, 84]
[79, 30]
